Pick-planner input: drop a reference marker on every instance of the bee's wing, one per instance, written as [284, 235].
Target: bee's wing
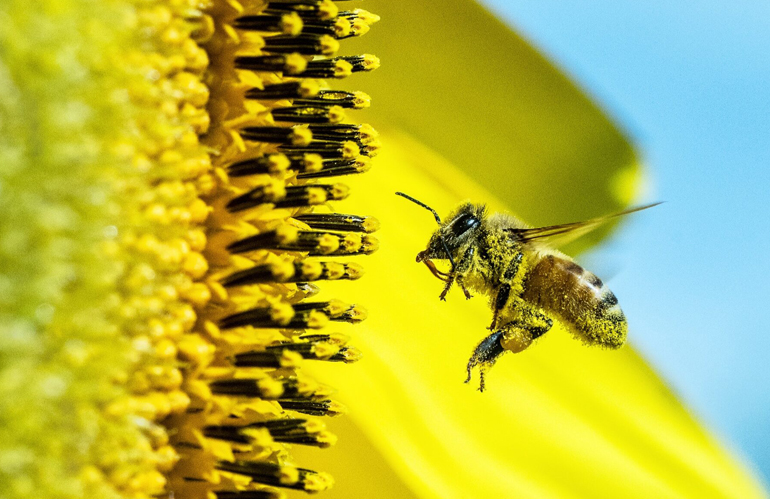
[559, 235]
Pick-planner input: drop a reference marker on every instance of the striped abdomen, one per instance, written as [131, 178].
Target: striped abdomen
[577, 298]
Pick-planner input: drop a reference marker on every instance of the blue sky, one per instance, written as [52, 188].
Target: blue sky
[690, 83]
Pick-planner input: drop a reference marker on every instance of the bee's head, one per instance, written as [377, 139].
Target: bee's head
[447, 241]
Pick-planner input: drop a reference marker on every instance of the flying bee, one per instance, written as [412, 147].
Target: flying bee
[529, 284]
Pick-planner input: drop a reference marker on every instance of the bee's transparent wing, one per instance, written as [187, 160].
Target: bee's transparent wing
[559, 235]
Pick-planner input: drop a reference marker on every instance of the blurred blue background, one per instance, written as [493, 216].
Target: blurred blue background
[690, 83]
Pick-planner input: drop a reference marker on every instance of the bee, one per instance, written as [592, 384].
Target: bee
[529, 284]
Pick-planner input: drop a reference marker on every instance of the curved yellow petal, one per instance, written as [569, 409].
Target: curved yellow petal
[559, 420]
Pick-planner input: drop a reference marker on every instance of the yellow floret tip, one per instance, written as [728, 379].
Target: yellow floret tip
[291, 24]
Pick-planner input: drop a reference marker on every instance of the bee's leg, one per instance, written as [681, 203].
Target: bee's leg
[448, 285]
[504, 289]
[520, 334]
[461, 268]
[485, 355]
[501, 299]
[513, 337]
[467, 293]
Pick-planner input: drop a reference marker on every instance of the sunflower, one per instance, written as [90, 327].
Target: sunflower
[177, 263]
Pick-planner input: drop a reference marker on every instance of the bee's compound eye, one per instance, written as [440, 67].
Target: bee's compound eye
[464, 223]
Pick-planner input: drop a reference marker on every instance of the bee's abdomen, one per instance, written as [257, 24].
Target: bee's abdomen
[579, 299]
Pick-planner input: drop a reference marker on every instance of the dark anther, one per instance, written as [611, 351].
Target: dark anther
[338, 221]
[302, 44]
[305, 114]
[289, 90]
[268, 23]
[274, 134]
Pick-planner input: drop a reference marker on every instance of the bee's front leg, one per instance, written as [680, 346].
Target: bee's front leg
[461, 268]
[460, 282]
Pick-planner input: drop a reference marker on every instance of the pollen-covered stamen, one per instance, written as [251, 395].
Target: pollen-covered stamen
[317, 406]
[275, 164]
[356, 313]
[335, 309]
[315, 243]
[288, 197]
[307, 9]
[305, 44]
[299, 387]
[326, 347]
[295, 136]
[336, 168]
[363, 62]
[277, 315]
[270, 388]
[360, 134]
[300, 271]
[268, 163]
[350, 100]
[372, 148]
[348, 355]
[270, 192]
[260, 358]
[297, 316]
[304, 89]
[338, 27]
[363, 15]
[339, 222]
[327, 68]
[266, 388]
[308, 114]
[307, 289]
[277, 475]
[339, 67]
[293, 64]
[264, 317]
[326, 149]
[318, 351]
[332, 338]
[289, 430]
[357, 28]
[288, 23]
[347, 23]
[308, 162]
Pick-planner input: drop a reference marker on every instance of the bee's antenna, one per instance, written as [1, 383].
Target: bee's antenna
[438, 219]
[419, 203]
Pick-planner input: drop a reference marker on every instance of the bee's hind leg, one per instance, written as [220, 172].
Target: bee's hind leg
[512, 337]
[485, 355]
[519, 335]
